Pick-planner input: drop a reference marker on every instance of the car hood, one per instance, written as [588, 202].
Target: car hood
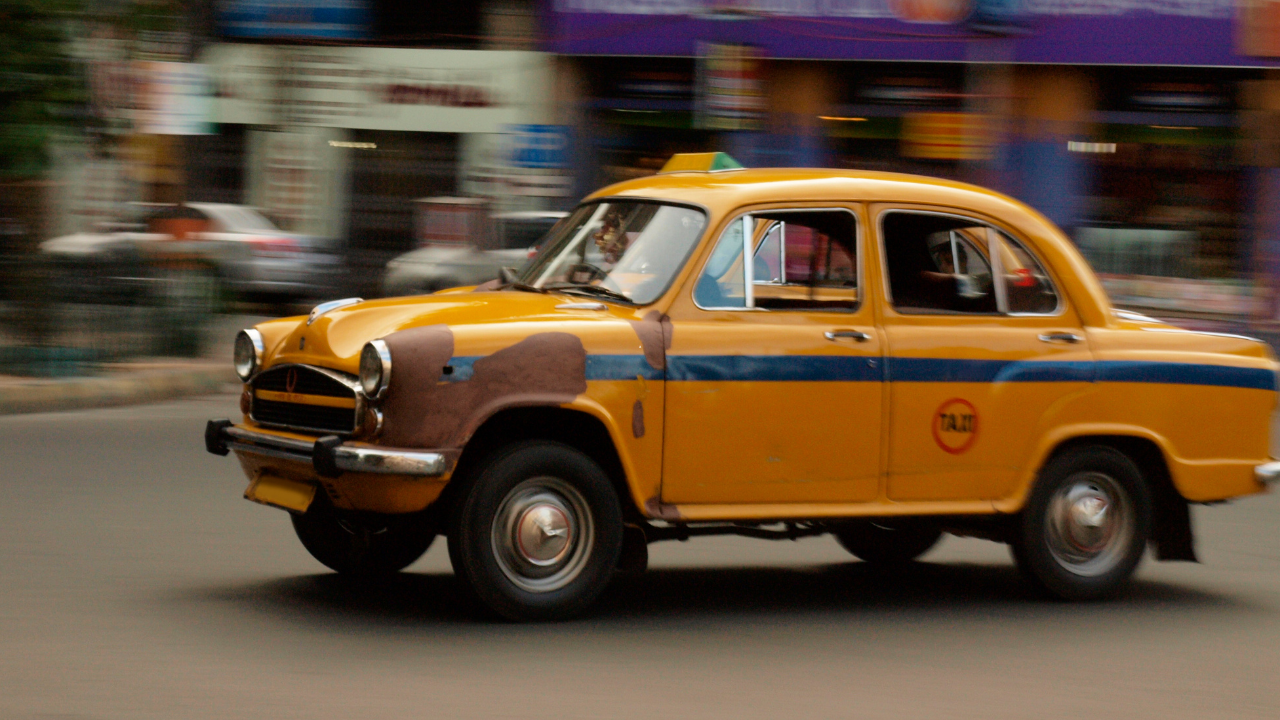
[481, 322]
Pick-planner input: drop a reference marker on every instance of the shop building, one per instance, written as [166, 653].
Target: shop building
[339, 141]
[1145, 130]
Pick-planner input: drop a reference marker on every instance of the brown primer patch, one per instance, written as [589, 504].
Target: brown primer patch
[637, 420]
[425, 411]
[654, 508]
[654, 332]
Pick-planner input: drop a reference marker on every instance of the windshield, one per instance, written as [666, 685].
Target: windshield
[629, 248]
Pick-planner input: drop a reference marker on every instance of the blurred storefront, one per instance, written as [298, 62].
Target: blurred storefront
[1167, 216]
[341, 140]
[1146, 130]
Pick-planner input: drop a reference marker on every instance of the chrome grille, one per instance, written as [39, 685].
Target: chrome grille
[299, 400]
[306, 380]
[297, 416]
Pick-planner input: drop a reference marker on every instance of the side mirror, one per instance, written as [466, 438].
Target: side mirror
[507, 275]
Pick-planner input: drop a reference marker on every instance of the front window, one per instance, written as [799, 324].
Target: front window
[804, 260]
[626, 250]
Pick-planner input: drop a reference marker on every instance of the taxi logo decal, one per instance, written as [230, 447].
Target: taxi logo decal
[955, 425]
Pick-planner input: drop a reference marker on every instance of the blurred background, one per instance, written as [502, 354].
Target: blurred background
[164, 164]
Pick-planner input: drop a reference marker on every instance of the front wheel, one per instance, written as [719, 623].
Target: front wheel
[1086, 524]
[360, 546]
[538, 533]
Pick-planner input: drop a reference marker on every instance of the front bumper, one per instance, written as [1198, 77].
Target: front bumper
[1267, 473]
[329, 456]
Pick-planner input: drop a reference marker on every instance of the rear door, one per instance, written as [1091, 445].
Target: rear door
[982, 346]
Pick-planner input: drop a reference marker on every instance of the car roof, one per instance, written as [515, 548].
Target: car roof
[724, 190]
[235, 216]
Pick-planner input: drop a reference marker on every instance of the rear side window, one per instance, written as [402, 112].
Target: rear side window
[945, 264]
[1028, 287]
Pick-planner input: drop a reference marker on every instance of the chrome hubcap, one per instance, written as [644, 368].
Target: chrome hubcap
[542, 534]
[1089, 524]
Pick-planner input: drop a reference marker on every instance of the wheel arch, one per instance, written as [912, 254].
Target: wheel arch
[576, 427]
[1171, 517]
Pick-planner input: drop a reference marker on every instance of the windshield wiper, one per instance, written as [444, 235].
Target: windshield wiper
[592, 290]
[509, 278]
[525, 287]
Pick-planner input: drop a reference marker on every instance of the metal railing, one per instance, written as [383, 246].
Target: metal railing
[62, 317]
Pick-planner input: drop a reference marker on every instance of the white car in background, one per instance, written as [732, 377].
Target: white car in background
[438, 266]
[234, 246]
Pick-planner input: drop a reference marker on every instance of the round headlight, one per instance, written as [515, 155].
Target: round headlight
[375, 369]
[248, 353]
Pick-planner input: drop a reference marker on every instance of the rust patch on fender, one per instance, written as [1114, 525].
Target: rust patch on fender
[654, 332]
[487, 285]
[637, 420]
[424, 409]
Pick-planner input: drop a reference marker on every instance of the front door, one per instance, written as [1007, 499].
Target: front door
[774, 373]
[982, 346]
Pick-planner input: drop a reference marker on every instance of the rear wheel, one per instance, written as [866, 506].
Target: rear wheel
[362, 546]
[538, 533]
[1086, 524]
[888, 542]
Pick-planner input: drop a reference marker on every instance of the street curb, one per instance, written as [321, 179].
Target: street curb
[128, 389]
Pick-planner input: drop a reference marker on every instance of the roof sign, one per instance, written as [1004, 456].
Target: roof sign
[700, 162]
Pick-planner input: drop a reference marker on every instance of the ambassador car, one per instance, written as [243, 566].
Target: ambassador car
[770, 353]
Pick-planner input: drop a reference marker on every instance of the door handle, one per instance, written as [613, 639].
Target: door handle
[841, 334]
[1062, 337]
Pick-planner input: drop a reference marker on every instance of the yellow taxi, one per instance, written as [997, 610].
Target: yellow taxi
[772, 353]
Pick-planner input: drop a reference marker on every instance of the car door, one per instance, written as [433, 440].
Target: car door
[981, 347]
[774, 370]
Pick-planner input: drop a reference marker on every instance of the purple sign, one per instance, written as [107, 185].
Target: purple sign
[1142, 32]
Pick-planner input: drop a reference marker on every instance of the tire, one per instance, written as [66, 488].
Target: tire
[888, 542]
[362, 547]
[1085, 526]
[537, 534]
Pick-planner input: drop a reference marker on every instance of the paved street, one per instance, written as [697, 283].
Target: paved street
[136, 583]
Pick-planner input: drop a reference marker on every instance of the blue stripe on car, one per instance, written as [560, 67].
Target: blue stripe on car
[949, 370]
[839, 368]
[1185, 374]
[774, 368]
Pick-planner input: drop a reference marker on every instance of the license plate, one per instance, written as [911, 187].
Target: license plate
[279, 492]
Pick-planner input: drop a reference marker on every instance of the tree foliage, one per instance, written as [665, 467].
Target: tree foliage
[40, 87]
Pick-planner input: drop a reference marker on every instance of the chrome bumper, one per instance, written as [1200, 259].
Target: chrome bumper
[1268, 473]
[329, 455]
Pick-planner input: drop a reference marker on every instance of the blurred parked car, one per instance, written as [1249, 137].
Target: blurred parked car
[227, 247]
[508, 240]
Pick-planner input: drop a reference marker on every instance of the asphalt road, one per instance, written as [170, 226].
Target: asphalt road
[136, 583]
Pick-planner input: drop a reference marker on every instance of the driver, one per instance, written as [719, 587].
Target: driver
[609, 238]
